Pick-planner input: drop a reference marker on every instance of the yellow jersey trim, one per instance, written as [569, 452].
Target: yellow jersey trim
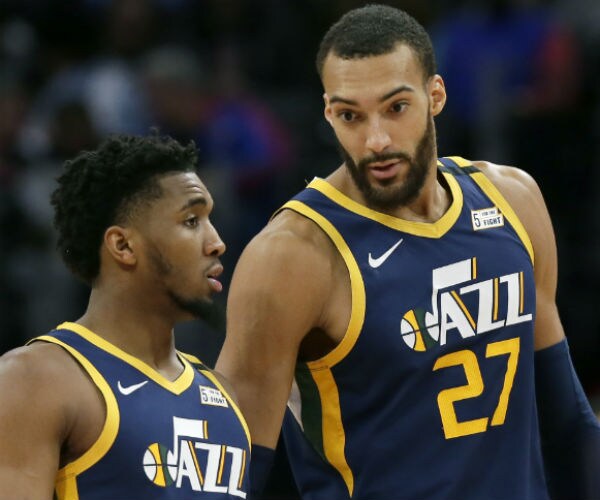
[426, 229]
[357, 287]
[67, 489]
[459, 160]
[66, 484]
[211, 376]
[177, 386]
[334, 436]
[493, 194]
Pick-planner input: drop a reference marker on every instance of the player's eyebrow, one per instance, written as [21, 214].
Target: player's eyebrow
[351, 102]
[198, 200]
[397, 90]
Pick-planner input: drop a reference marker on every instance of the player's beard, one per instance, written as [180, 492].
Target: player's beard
[198, 307]
[386, 197]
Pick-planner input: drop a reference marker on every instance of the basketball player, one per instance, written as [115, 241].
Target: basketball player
[105, 407]
[404, 306]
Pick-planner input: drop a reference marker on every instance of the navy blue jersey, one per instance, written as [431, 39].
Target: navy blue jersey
[162, 439]
[430, 394]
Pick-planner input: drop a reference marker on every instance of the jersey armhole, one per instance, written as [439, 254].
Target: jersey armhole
[66, 486]
[492, 192]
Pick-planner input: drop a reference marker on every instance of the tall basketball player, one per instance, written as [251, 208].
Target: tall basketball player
[105, 407]
[404, 306]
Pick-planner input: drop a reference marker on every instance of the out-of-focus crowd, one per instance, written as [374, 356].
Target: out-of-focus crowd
[237, 77]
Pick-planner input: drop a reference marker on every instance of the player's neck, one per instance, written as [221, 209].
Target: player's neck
[430, 205]
[145, 335]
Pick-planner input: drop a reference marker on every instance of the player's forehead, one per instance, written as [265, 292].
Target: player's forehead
[373, 75]
[184, 189]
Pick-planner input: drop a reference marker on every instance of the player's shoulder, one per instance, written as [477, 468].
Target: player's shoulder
[523, 194]
[288, 235]
[37, 370]
[289, 223]
[511, 181]
[291, 249]
[37, 358]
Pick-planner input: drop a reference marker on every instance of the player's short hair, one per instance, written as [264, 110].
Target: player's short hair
[375, 30]
[106, 186]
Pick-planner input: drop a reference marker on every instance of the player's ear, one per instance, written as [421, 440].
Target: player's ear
[437, 94]
[118, 240]
[327, 110]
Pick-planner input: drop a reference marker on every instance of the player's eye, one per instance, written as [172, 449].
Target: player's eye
[347, 116]
[191, 221]
[398, 107]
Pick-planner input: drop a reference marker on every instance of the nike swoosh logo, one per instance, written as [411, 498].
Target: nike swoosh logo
[126, 391]
[376, 262]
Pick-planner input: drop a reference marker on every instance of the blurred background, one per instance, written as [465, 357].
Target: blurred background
[238, 77]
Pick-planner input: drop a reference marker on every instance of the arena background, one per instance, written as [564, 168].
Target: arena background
[238, 77]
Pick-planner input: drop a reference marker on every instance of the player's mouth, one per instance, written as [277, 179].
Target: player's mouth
[382, 170]
[213, 273]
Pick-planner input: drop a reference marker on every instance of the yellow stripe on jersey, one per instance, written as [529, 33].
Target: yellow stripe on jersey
[221, 463]
[160, 478]
[412, 320]
[211, 376]
[465, 311]
[357, 287]
[66, 486]
[495, 299]
[426, 229]
[493, 194]
[66, 489]
[334, 436]
[177, 386]
[196, 464]
[242, 469]
[460, 161]
[521, 293]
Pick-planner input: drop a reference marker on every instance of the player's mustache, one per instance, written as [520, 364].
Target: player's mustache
[392, 155]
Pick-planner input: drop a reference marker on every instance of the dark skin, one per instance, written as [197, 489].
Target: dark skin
[375, 105]
[47, 401]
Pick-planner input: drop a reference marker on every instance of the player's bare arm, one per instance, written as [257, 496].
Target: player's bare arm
[568, 427]
[280, 291]
[524, 195]
[44, 403]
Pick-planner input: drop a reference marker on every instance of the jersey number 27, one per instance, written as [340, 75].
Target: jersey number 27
[474, 387]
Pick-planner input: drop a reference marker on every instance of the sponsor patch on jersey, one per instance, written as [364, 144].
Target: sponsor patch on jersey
[486, 218]
[213, 397]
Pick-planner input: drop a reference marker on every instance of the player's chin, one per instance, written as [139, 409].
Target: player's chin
[201, 307]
